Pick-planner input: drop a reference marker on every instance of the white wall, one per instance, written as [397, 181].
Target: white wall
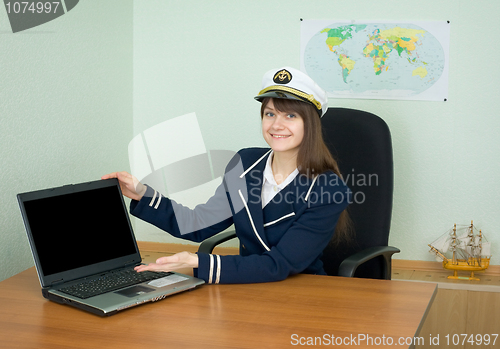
[209, 58]
[65, 109]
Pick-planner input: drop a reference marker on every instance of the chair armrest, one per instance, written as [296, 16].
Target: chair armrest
[350, 264]
[208, 245]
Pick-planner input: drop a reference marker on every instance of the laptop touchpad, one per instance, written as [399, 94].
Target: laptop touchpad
[135, 291]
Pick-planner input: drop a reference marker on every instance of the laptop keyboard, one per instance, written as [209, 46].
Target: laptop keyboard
[111, 282]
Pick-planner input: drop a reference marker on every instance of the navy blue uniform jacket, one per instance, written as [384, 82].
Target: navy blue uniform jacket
[285, 238]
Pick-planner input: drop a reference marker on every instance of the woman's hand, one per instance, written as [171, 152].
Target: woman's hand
[177, 261]
[130, 186]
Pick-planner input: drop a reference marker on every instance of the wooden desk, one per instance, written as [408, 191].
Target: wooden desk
[221, 316]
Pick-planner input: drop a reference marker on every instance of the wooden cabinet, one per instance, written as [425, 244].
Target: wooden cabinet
[464, 312]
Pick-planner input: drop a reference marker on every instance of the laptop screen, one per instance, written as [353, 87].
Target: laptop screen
[77, 226]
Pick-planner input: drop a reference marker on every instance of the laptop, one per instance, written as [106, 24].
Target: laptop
[85, 250]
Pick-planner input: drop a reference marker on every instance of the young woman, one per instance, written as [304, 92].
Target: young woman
[285, 202]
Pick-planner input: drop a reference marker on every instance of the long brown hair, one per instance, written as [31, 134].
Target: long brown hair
[314, 158]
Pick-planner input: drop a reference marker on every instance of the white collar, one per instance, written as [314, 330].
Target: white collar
[269, 186]
[269, 175]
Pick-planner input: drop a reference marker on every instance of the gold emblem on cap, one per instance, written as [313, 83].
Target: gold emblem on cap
[282, 77]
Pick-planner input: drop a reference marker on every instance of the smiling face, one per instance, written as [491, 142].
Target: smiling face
[283, 131]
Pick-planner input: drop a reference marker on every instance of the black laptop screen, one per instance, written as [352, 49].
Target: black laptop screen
[79, 229]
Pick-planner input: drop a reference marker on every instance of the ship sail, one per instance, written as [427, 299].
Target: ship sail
[463, 241]
[486, 249]
[442, 244]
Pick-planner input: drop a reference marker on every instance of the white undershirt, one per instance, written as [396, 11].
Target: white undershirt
[270, 188]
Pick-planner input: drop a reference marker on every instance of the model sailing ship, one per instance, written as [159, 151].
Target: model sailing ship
[470, 251]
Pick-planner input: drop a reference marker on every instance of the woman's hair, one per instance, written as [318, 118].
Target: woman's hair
[313, 157]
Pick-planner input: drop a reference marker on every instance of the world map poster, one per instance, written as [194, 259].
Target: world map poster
[377, 59]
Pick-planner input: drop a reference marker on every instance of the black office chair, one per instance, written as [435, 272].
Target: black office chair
[361, 143]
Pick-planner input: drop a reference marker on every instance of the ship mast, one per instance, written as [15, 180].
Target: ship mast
[470, 250]
[480, 246]
[436, 251]
[454, 244]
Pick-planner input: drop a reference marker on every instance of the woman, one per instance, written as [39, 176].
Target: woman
[284, 202]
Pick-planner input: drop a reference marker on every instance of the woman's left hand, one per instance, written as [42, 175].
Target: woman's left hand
[171, 263]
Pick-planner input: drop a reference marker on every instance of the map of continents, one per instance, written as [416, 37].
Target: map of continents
[374, 60]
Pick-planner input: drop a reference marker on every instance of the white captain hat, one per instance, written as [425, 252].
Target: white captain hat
[290, 83]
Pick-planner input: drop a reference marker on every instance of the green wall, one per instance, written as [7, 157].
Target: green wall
[65, 109]
[76, 90]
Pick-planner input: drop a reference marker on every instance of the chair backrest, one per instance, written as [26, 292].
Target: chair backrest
[361, 144]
